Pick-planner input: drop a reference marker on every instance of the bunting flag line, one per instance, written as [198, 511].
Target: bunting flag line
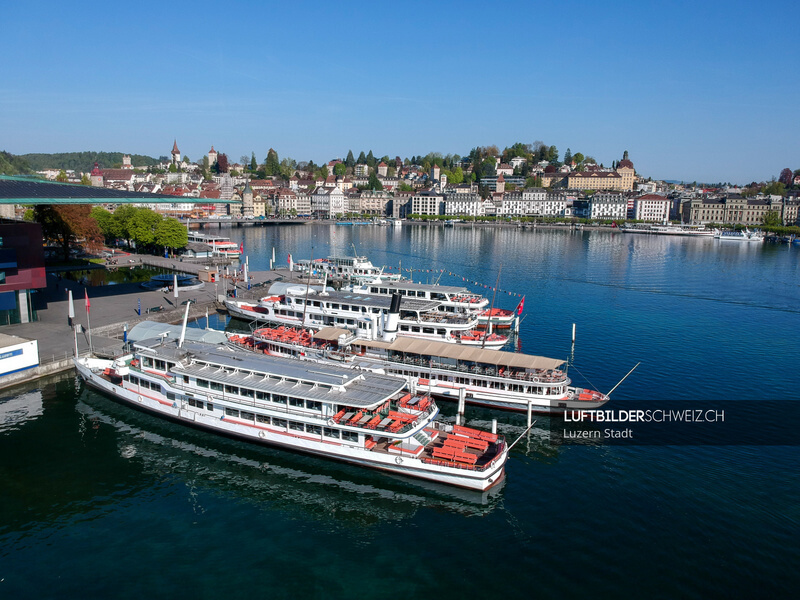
[456, 275]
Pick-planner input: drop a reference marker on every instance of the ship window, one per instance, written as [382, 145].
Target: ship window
[336, 306]
[296, 402]
[262, 419]
[279, 422]
[209, 406]
[185, 379]
[333, 433]
[231, 389]
[279, 398]
[202, 383]
[427, 330]
[216, 386]
[248, 415]
[171, 396]
[350, 436]
[313, 404]
[415, 329]
[403, 327]
[247, 393]
[441, 332]
[315, 429]
[296, 426]
[231, 412]
[134, 380]
[147, 361]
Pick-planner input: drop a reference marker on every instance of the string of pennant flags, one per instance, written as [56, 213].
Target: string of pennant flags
[456, 275]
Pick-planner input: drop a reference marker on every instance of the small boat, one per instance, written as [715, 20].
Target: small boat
[740, 235]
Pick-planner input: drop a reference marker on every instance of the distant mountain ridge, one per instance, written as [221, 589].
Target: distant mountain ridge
[83, 161]
[13, 165]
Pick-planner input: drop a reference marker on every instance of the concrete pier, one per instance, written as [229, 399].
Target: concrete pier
[112, 306]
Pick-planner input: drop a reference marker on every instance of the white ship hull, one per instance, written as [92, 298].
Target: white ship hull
[90, 371]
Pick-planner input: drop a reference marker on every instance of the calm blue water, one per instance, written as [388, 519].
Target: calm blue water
[99, 500]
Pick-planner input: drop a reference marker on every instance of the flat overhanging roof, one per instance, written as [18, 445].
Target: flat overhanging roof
[22, 190]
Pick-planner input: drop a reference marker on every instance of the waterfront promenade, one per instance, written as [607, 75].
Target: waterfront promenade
[111, 307]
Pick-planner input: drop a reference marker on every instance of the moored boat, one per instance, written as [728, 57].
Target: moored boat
[740, 235]
[221, 246]
[363, 418]
[504, 380]
[366, 314]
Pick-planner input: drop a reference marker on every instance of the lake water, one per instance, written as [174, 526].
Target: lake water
[101, 501]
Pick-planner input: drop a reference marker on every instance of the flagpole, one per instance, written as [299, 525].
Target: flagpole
[88, 322]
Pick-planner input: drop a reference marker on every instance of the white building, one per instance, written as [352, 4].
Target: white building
[608, 206]
[651, 207]
[427, 202]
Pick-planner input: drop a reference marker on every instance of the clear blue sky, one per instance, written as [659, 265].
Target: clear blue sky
[702, 90]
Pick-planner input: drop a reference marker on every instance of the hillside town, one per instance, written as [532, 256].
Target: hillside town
[478, 187]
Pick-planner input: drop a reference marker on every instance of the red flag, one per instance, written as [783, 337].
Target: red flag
[88, 304]
[521, 304]
[241, 247]
[289, 259]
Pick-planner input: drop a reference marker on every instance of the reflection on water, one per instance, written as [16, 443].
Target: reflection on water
[273, 478]
[16, 410]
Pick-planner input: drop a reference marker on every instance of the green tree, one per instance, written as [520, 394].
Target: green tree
[253, 162]
[370, 160]
[272, 166]
[62, 176]
[322, 173]
[577, 157]
[568, 157]
[28, 215]
[106, 222]
[774, 188]
[350, 162]
[169, 233]
[288, 167]
[374, 183]
[142, 226]
[404, 187]
[362, 159]
[173, 168]
[772, 218]
[339, 169]
[85, 180]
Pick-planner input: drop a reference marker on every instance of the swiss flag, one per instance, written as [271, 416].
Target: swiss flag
[241, 247]
[88, 304]
[521, 305]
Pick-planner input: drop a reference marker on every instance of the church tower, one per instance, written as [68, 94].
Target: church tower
[176, 154]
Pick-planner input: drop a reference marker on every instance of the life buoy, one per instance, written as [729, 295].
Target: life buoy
[398, 460]
[535, 380]
[262, 435]
[139, 398]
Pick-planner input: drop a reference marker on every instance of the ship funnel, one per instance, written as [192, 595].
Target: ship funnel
[392, 319]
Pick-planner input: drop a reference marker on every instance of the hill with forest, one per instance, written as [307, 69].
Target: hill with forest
[84, 161]
[13, 165]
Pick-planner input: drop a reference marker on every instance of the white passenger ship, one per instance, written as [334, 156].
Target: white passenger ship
[451, 298]
[221, 246]
[491, 378]
[362, 418]
[347, 268]
[365, 314]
